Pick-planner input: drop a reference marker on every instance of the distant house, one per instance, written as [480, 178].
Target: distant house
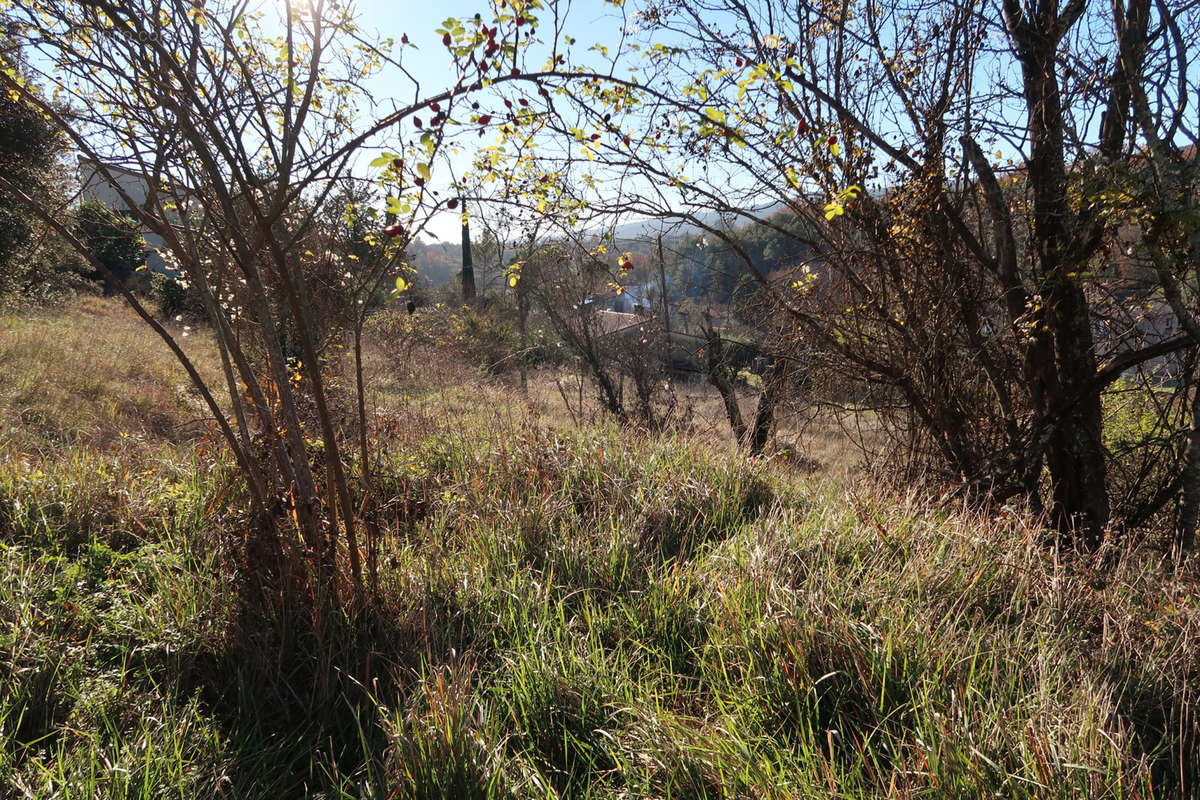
[630, 299]
[108, 188]
[684, 353]
[610, 323]
[1126, 322]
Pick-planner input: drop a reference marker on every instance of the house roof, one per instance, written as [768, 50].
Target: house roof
[611, 322]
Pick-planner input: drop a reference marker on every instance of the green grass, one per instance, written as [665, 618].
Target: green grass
[575, 613]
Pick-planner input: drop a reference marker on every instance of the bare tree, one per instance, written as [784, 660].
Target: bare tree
[947, 161]
[564, 282]
[239, 126]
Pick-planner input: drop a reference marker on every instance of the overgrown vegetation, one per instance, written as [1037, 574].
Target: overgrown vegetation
[561, 612]
[484, 337]
[113, 239]
[296, 560]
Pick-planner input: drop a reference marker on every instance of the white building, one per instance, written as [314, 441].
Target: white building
[108, 185]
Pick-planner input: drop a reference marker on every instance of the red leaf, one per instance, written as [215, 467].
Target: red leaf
[446, 39]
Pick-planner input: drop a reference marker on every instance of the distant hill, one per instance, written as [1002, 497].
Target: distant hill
[649, 228]
[436, 262]
[439, 262]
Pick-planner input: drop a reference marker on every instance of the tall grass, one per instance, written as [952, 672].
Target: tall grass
[575, 613]
[89, 375]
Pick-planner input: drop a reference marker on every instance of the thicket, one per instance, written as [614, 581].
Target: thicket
[961, 246]
[484, 336]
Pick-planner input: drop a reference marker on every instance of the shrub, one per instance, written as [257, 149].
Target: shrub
[486, 336]
[168, 294]
[42, 273]
[114, 239]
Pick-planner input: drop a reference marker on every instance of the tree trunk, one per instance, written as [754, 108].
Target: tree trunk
[1074, 449]
[468, 266]
[720, 376]
[610, 393]
[764, 415]
[522, 320]
[1189, 510]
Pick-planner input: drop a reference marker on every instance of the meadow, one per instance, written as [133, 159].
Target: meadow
[566, 608]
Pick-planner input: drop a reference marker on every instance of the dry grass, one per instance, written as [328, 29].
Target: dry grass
[90, 374]
[564, 611]
[419, 372]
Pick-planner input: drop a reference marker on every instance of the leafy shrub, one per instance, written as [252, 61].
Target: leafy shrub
[42, 273]
[114, 239]
[168, 294]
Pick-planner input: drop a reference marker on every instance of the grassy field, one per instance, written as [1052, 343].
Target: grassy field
[564, 612]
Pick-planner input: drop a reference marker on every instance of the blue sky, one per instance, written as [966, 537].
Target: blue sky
[590, 22]
[419, 19]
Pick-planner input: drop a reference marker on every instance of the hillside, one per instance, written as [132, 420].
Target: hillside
[563, 612]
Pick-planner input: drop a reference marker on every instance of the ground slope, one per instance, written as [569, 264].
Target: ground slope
[561, 612]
